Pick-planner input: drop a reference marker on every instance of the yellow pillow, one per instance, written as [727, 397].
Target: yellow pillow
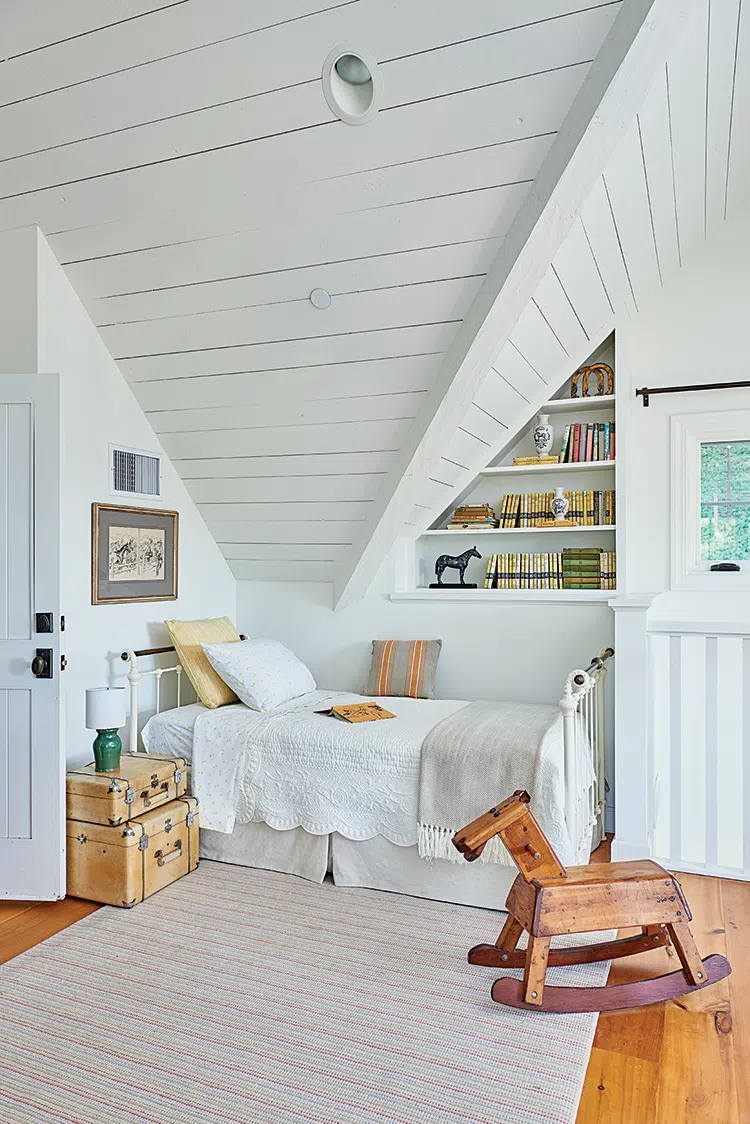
[187, 637]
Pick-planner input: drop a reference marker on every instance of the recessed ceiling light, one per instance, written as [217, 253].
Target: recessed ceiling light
[352, 84]
[353, 69]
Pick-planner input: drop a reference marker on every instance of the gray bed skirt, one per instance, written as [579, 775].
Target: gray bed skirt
[375, 863]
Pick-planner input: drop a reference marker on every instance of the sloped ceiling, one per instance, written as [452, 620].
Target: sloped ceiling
[681, 169]
[187, 172]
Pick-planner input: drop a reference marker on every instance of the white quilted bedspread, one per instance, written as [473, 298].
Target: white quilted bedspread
[294, 768]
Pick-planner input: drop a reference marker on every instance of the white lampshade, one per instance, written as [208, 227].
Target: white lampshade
[105, 708]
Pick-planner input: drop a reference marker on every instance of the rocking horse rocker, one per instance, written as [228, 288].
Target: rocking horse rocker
[547, 900]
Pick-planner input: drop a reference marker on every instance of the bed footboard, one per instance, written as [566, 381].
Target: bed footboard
[582, 707]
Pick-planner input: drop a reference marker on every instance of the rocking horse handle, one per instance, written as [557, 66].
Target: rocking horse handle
[471, 840]
[519, 830]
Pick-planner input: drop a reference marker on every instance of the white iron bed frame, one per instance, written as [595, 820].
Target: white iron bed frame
[583, 695]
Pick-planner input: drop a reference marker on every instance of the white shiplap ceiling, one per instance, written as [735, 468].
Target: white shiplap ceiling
[183, 164]
[680, 171]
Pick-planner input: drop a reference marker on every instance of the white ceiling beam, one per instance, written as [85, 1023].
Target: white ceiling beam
[611, 94]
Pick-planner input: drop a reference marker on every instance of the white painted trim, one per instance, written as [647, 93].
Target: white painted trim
[574, 405]
[612, 92]
[530, 470]
[694, 868]
[505, 596]
[634, 603]
[520, 530]
[687, 432]
[623, 851]
[701, 628]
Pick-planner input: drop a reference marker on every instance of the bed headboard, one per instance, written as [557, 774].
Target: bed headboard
[135, 675]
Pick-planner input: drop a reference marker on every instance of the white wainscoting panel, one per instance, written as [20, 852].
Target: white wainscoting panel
[700, 738]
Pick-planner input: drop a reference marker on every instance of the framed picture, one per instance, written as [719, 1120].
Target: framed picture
[133, 554]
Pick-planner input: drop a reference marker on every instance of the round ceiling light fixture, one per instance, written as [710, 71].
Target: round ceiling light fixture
[352, 84]
[320, 298]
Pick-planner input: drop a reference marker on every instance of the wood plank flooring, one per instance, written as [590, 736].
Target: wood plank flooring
[686, 1061]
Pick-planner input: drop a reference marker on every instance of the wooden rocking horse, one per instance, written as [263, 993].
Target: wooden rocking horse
[547, 900]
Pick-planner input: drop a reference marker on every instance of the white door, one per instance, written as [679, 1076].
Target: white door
[32, 770]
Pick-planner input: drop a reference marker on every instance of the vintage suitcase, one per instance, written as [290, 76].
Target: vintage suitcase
[125, 864]
[141, 783]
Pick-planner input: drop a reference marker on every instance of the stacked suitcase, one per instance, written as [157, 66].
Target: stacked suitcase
[130, 832]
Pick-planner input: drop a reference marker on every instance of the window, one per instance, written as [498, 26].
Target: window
[710, 500]
[725, 501]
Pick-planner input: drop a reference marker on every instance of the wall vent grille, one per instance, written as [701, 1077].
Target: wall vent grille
[135, 473]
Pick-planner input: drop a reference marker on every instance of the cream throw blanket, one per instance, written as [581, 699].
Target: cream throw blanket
[481, 755]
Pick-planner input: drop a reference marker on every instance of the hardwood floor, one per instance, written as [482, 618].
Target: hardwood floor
[24, 924]
[683, 1062]
[686, 1061]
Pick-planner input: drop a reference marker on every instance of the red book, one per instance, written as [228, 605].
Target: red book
[576, 441]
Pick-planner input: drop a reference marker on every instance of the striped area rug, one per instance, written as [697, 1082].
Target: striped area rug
[239, 996]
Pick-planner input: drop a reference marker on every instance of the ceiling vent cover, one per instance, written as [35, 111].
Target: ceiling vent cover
[135, 473]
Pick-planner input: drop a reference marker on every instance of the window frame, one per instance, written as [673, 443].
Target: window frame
[687, 433]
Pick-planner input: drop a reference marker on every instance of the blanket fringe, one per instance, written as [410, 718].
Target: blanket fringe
[436, 843]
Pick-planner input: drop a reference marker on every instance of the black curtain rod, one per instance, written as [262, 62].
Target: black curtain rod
[646, 391]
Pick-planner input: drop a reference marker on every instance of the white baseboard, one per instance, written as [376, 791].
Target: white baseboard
[623, 851]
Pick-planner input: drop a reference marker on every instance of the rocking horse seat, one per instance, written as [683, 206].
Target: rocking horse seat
[547, 900]
[602, 896]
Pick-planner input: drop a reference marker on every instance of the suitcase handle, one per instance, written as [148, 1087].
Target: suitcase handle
[161, 858]
[158, 798]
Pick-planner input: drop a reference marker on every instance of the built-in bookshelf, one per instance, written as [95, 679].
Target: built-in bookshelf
[534, 546]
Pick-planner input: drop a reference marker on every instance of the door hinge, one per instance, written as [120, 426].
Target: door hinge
[62, 624]
[63, 662]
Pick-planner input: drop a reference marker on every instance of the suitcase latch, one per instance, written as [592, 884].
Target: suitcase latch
[190, 819]
[129, 795]
[168, 825]
[128, 831]
[114, 786]
[178, 775]
[154, 780]
[143, 843]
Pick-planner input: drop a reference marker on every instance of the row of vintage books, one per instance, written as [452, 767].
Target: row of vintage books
[588, 508]
[586, 568]
[588, 441]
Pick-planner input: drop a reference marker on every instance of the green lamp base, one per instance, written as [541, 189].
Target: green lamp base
[107, 750]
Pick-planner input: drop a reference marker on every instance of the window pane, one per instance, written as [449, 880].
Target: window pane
[715, 472]
[725, 501]
[739, 471]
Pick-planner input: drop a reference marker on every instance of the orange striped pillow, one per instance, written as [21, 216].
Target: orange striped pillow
[403, 668]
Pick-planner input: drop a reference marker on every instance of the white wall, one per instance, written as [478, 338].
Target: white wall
[672, 656]
[98, 408]
[503, 651]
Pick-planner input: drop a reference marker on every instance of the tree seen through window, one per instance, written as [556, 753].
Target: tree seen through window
[725, 501]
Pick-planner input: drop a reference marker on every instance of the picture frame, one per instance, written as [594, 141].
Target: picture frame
[134, 554]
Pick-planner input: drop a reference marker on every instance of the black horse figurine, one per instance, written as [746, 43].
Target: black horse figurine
[460, 562]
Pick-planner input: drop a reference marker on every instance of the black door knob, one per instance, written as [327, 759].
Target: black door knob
[39, 667]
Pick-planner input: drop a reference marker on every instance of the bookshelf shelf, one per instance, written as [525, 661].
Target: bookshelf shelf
[538, 596]
[519, 530]
[521, 494]
[573, 405]
[533, 469]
